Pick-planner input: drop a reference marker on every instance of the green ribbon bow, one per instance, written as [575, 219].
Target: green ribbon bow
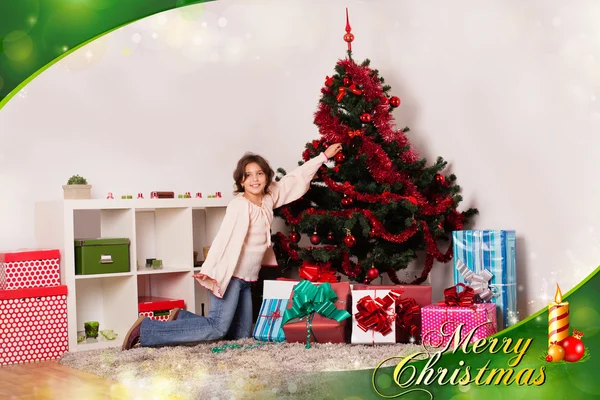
[310, 299]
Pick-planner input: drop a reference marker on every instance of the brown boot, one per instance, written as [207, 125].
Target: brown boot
[174, 314]
[133, 336]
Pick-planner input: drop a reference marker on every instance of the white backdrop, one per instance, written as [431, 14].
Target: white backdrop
[505, 91]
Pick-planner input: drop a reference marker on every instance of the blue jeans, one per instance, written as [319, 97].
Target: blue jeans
[229, 318]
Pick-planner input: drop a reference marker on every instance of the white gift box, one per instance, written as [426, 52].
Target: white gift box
[274, 289]
[371, 337]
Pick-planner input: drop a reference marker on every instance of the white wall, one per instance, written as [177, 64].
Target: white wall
[505, 91]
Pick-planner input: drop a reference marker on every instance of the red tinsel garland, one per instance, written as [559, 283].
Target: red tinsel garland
[385, 197]
[378, 229]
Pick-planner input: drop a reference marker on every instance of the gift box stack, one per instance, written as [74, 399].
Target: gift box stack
[319, 308]
[33, 307]
[484, 296]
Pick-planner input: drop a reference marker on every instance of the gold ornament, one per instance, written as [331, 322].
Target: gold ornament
[557, 352]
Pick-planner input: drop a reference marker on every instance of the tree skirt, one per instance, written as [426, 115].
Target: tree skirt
[253, 369]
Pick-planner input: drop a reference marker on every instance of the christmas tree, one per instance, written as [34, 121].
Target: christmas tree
[375, 207]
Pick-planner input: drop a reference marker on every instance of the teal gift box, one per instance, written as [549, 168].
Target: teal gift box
[493, 251]
[268, 327]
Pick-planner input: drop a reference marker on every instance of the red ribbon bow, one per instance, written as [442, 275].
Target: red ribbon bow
[406, 309]
[273, 316]
[377, 314]
[453, 298]
[342, 91]
[318, 273]
[354, 133]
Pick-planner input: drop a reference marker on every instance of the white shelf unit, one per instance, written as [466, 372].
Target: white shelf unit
[166, 229]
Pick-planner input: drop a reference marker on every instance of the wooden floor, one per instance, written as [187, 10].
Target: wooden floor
[51, 380]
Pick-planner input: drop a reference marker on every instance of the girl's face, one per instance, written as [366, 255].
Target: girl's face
[255, 179]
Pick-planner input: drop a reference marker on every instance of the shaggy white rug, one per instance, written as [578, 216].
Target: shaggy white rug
[257, 370]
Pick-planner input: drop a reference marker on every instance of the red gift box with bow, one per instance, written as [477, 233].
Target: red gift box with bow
[408, 322]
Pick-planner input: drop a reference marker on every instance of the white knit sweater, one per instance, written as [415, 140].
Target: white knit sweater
[243, 242]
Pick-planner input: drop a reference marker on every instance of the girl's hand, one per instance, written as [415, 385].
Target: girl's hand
[333, 150]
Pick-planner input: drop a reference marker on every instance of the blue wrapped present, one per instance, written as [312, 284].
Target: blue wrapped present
[268, 326]
[486, 261]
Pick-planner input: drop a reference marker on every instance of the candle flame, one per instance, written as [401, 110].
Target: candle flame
[558, 295]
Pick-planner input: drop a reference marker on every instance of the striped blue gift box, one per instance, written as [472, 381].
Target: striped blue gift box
[268, 326]
[492, 250]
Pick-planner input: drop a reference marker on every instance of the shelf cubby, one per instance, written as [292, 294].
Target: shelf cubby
[109, 300]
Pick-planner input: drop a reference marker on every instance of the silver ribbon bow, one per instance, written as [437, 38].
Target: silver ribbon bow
[478, 282]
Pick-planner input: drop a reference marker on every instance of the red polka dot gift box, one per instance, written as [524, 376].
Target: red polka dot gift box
[457, 317]
[23, 269]
[157, 308]
[33, 324]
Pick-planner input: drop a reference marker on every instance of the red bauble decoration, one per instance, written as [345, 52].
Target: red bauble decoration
[372, 273]
[574, 348]
[347, 201]
[395, 101]
[439, 178]
[325, 144]
[348, 37]
[549, 358]
[339, 158]
[365, 117]
[385, 101]
[315, 238]
[346, 81]
[349, 240]
[330, 237]
[372, 233]
[295, 237]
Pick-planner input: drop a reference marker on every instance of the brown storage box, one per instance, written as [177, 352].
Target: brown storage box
[324, 330]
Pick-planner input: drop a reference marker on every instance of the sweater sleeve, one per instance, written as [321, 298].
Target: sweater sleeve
[295, 184]
[225, 249]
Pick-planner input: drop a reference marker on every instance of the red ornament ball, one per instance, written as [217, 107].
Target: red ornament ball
[372, 233]
[295, 237]
[330, 237]
[347, 201]
[395, 101]
[439, 178]
[574, 348]
[325, 144]
[366, 117]
[348, 37]
[349, 241]
[385, 101]
[346, 81]
[549, 358]
[372, 273]
[315, 238]
[339, 158]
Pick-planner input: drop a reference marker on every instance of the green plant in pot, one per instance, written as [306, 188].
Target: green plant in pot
[77, 187]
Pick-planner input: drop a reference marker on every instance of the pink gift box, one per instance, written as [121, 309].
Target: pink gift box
[480, 316]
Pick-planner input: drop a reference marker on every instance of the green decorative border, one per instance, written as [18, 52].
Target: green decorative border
[30, 40]
[555, 380]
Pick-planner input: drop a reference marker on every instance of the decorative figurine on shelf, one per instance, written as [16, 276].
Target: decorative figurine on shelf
[198, 195]
[188, 195]
[218, 195]
[154, 195]
[110, 196]
[140, 196]
[126, 196]
[157, 264]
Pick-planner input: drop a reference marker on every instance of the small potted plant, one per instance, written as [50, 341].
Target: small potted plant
[77, 188]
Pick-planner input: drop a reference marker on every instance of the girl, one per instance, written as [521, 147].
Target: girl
[241, 246]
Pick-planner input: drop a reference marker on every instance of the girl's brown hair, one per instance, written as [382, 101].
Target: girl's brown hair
[240, 171]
